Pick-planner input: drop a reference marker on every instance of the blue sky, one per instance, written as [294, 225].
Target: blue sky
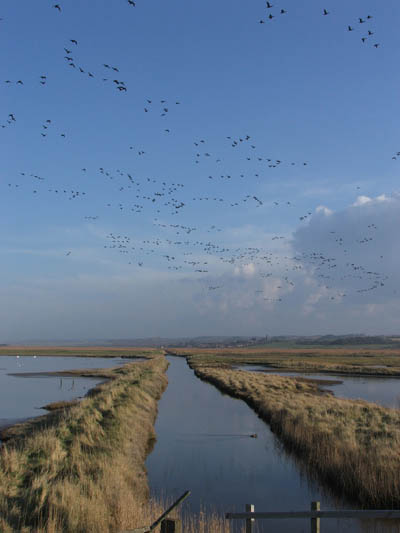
[111, 262]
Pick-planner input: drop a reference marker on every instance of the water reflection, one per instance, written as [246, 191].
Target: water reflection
[203, 444]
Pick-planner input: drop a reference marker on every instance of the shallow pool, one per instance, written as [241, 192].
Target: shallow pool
[22, 397]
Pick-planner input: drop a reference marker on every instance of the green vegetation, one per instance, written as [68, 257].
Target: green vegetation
[80, 351]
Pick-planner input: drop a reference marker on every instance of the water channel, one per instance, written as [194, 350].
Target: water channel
[203, 444]
[382, 390]
[22, 397]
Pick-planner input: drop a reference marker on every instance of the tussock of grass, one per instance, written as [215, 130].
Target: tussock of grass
[353, 446]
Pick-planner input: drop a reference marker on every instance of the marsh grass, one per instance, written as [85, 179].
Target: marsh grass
[81, 468]
[352, 446]
[376, 361]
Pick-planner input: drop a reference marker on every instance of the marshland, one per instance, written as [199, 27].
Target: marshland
[153, 426]
[199, 235]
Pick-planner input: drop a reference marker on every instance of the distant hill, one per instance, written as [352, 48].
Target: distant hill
[332, 340]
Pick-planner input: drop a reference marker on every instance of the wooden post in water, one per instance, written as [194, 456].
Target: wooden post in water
[315, 522]
[171, 525]
[249, 521]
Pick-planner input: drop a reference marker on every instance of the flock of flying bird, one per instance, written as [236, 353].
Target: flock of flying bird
[273, 14]
[181, 245]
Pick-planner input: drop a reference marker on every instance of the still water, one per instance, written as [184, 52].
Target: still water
[21, 397]
[381, 390]
[203, 445]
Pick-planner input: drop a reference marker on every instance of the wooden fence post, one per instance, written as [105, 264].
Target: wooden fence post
[249, 521]
[315, 522]
[171, 525]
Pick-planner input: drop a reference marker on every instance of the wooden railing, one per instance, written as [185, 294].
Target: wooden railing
[315, 515]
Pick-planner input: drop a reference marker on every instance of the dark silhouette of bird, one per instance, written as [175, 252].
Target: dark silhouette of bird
[326, 12]
[350, 28]
[376, 45]
[269, 6]
[74, 41]
[57, 6]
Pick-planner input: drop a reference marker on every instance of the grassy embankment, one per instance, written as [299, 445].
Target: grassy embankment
[371, 360]
[81, 468]
[352, 446]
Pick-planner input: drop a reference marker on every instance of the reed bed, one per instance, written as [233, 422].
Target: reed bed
[352, 446]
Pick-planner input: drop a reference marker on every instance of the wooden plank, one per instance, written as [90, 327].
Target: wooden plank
[384, 514]
[249, 521]
[315, 522]
[166, 513]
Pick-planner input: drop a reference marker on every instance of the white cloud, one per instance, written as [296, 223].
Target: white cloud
[362, 200]
[324, 210]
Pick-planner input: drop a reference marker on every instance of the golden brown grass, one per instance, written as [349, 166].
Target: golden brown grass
[353, 446]
[81, 469]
